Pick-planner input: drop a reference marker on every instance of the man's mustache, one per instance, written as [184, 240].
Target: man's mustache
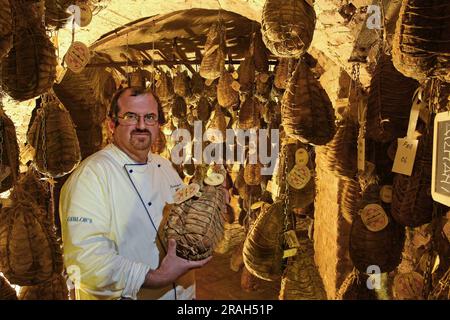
[140, 131]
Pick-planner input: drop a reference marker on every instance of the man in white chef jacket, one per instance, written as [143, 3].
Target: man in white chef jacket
[111, 208]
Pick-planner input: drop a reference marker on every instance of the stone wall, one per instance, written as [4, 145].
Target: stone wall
[331, 231]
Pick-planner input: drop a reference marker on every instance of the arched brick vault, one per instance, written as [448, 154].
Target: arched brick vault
[336, 41]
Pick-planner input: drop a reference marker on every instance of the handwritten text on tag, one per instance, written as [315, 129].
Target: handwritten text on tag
[405, 156]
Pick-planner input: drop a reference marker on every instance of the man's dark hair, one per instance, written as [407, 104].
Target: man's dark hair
[135, 91]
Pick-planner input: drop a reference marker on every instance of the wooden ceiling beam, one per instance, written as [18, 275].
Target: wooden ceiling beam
[156, 63]
[180, 55]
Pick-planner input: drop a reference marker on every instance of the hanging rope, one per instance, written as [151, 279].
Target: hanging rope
[355, 85]
[1, 135]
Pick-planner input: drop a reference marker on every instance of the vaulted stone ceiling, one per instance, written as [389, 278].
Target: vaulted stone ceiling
[335, 35]
[335, 38]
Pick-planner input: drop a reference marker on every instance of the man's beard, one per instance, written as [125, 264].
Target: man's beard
[141, 142]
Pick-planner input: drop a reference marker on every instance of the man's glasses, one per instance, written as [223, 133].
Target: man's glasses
[131, 118]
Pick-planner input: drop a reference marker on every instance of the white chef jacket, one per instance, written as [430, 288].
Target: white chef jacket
[108, 237]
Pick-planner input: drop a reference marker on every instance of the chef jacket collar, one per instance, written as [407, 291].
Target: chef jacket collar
[125, 159]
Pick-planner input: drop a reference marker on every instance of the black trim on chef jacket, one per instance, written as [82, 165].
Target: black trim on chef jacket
[146, 210]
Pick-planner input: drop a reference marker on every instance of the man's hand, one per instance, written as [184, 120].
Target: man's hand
[171, 268]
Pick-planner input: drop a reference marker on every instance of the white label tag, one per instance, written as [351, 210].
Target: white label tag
[77, 57]
[362, 114]
[269, 186]
[257, 205]
[434, 259]
[405, 156]
[361, 154]
[236, 167]
[413, 117]
[407, 147]
[289, 253]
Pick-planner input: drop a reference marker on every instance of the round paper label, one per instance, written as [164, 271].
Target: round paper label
[214, 179]
[374, 217]
[77, 57]
[386, 193]
[299, 177]
[186, 193]
[85, 15]
[408, 286]
[216, 168]
[301, 157]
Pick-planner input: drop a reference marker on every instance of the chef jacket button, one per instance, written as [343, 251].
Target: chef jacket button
[131, 171]
[159, 165]
[149, 203]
